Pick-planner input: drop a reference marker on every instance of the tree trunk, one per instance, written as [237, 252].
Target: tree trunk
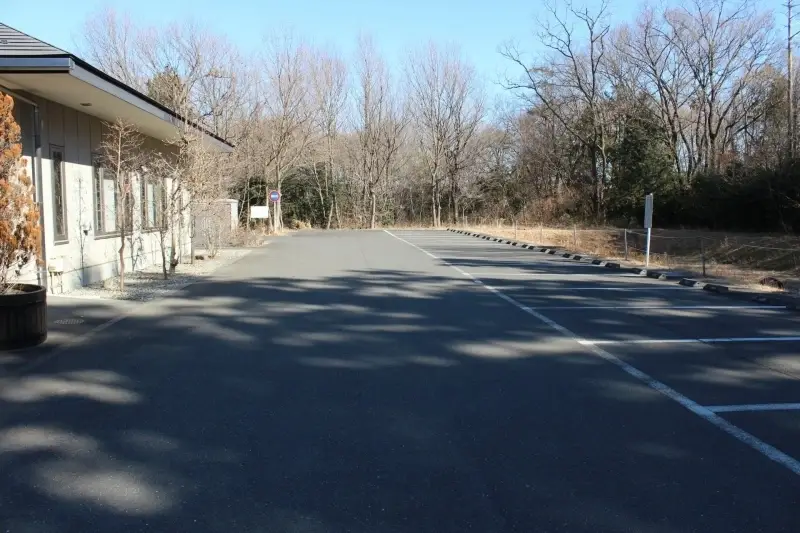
[172, 262]
[121, 225]
[373, 206]
[597, 183]
[438, 207]
[455, 206]
[328, 180]
[336, 208]
[330, 217]
[163, 246]
[122, 262]
[433, 200]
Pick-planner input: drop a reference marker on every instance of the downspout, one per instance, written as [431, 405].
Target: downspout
[41, 270]
[36, 174]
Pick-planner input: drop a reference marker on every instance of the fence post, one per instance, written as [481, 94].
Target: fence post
[575, 236]
[703, 254]
[541, 234]
[626, 243]
[515, 229]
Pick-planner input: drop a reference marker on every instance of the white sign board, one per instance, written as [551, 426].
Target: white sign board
[259, 211]
[648, 211]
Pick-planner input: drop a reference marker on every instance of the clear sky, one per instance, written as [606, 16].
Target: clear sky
[477, 26]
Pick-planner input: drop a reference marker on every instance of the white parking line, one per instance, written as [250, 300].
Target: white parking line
[716, 340]
[625, 307]
[624, 289]
[706, 414]
[754, 407]
[483, 274]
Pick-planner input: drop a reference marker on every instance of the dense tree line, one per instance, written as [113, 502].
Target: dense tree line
[689, 102]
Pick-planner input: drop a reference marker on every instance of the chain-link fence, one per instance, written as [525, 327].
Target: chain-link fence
[745, 258]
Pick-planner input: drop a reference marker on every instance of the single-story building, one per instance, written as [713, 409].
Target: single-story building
[61, 103]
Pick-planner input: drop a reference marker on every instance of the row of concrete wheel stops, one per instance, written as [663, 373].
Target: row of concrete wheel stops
[661, 275]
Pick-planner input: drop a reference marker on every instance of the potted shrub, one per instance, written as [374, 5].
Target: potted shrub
[23, 306]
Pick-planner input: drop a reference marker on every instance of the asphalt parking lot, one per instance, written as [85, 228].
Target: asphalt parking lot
[408, 382]
[736, 359]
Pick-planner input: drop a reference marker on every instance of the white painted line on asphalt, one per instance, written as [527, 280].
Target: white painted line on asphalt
[483, 274]
[713, 340]
[624, 289]
[625, 307]
[561, 277]
[754, 407]
[706, 414]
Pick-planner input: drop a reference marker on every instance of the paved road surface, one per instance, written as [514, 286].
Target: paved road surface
[414, 382]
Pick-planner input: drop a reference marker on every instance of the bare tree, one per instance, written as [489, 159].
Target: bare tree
[123, 158]
[570, 82]
[286, 127]
[110, 41]
[724, 44]
[649, 62]
[330, 91]
[429, 73]
[466, 111]
[379, 123]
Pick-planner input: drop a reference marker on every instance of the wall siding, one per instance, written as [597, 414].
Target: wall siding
[87, 257]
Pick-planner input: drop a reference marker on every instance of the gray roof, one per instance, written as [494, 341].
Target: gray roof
[18, 47]
[15, 43]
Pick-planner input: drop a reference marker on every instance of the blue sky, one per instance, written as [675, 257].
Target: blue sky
[477, 26]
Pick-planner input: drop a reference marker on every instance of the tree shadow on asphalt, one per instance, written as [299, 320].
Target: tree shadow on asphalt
[377, 401]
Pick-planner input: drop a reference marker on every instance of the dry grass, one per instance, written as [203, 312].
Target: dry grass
[243, 237]
[741, 259]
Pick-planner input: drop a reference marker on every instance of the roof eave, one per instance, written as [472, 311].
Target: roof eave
[78, 68]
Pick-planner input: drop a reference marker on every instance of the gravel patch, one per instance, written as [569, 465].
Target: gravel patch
[149, 283]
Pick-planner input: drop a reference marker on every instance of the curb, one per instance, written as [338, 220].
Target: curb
[789, 302]
[715, 287]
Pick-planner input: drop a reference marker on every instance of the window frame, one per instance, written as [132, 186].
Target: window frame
[60, 176]
[99, 199]
[161, 194]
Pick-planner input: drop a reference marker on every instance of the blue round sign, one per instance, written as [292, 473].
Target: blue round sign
[274, 196]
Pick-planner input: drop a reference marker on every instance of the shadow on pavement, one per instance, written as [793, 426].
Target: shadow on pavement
[377, 401]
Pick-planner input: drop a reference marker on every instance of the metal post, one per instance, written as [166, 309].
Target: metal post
[626, 244]
[515, 230]
[575, 235]
[647, 251]
[541, 233]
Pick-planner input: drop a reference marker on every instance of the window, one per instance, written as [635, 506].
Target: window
[59, 194]
[153, 203]
[105, 198]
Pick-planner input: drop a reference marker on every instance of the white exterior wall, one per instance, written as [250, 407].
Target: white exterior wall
[87, 256]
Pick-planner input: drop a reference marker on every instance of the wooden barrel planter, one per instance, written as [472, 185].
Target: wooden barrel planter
[23, 317]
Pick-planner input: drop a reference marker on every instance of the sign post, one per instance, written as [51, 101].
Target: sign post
[648, 224]
[275, 198]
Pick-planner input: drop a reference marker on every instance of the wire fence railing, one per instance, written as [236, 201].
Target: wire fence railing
[745, 257]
